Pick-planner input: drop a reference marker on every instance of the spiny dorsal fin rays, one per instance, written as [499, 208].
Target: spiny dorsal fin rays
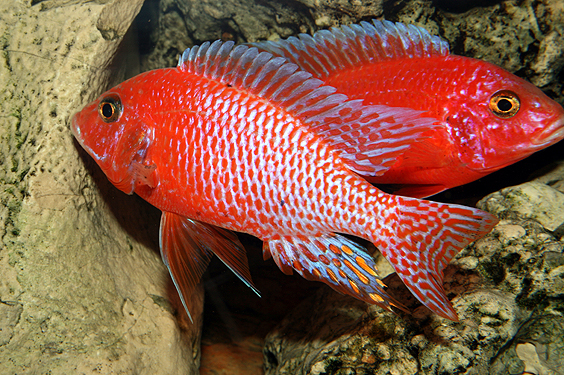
[333, 51]
[335, 260]
[368, 138]
[187, 246]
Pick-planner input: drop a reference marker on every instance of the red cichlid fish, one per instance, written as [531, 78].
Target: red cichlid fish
[490, 118]
[236, 140]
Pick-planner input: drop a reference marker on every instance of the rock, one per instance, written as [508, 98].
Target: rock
[533, 200]
[326, 13]
[82, 288]
[552, 175]
[336, 334]
[182, 23]
[537, 348]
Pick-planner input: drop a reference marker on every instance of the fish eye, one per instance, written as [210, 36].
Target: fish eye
[504, 104]
[109, 108]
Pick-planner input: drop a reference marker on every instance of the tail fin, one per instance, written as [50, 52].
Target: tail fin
[419, 238]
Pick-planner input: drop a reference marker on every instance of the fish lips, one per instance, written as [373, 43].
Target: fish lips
[76, 131]
[550, 135]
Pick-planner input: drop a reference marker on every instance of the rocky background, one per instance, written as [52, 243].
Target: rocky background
[82, 288]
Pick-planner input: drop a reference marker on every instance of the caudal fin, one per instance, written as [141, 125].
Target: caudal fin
[420, 238]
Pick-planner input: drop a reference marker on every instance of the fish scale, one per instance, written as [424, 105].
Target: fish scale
[264, 149]
[207, 170]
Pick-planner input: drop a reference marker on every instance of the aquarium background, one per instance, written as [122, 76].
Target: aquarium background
[82, 286]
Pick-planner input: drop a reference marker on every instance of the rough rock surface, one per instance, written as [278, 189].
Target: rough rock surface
[82, 287]
[538, 346]
[182, 23]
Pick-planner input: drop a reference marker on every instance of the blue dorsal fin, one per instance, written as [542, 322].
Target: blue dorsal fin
[332, 51]
[368, 138]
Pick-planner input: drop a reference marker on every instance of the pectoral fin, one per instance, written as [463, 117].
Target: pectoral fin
[185, 259]
[187, 247]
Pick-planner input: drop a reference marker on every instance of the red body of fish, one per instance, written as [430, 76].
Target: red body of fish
[490, 118]
[236, 140]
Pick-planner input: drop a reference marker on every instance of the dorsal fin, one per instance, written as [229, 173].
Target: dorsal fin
[368, 138]
[338, 49]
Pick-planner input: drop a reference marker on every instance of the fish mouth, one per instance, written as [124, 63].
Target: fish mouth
[549, 136]
[75, 129]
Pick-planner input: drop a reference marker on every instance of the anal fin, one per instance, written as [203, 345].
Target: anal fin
[187, 247]
[336, 261]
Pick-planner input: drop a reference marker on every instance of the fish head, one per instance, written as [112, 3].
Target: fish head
[498, 119]
[114, 133]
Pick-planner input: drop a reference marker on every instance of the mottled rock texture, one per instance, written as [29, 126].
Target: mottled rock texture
[82, 287]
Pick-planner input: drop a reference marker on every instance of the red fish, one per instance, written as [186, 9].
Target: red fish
[236, 140]
[490, 118]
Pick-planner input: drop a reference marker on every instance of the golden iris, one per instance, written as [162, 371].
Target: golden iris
[504, 104]
[109, 108]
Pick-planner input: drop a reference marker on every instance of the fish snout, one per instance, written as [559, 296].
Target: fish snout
[75, 128]
[551, 134]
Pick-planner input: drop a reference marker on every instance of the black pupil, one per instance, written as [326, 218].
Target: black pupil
[107, 110]
[504, 105]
